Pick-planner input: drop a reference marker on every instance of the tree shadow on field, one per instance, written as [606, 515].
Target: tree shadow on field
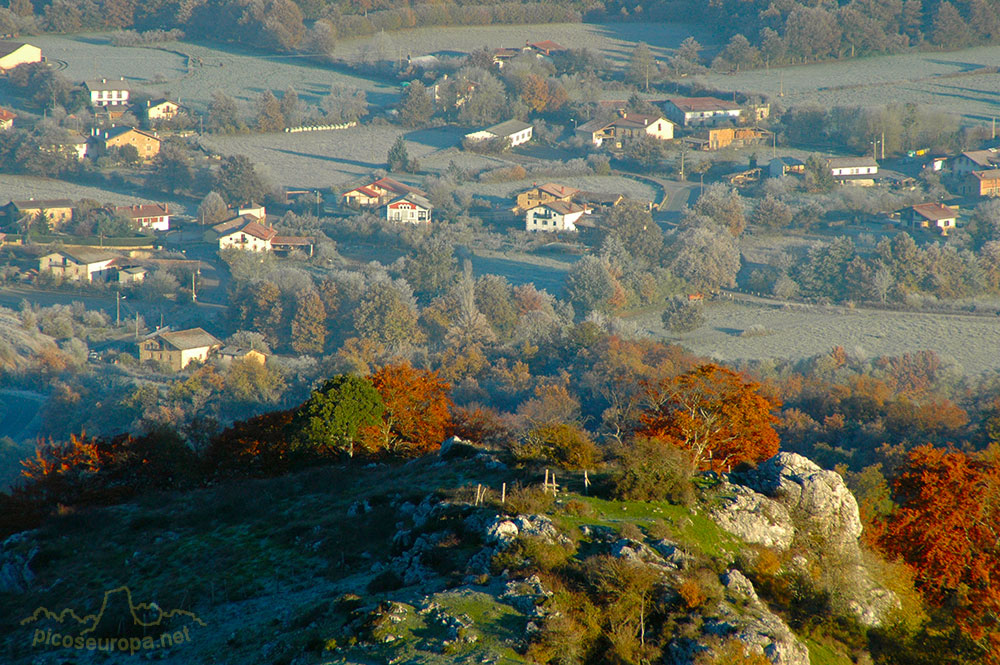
[982, 96]
[962, 66]
[327, 158]
[437, 137]
[730, 331]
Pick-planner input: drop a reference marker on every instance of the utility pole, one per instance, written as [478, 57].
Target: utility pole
[118, 309]
[194, 295]
[883, 146]
[137, 325]
[682, 164]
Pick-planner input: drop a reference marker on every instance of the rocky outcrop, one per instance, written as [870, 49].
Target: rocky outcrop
[817, 498]
[788, 499]
[742, 616]
[16, 575]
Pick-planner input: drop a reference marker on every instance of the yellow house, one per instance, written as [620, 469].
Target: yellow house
[180, 348]
[56, 211]
[540, 194]
[13, 54]
[79, 264]
[146, 144]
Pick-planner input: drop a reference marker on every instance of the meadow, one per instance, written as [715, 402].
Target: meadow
[967, 342]
[948, 81]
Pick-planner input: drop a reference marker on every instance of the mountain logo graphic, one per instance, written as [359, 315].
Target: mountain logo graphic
[119, 625]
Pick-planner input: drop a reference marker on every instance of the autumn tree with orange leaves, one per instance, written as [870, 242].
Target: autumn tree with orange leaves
[947, 529]
[417, 416]
[721, 417]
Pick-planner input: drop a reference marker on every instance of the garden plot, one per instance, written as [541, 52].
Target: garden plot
[21, 187]
[945, 81]
[971, 342]
[342, 157]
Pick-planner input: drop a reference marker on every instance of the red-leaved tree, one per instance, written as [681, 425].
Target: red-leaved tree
[947, 528]
[720, 416]
[417, 415]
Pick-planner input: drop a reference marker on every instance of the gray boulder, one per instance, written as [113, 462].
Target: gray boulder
[16, 575]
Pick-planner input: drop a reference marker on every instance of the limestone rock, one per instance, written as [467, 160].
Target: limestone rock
[754, 517]
[809, 493]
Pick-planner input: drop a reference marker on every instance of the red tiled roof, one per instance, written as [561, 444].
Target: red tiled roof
[6, 115]
[291, 240]
[142, 211]
[548, 46]
[993, 174]
[934, 211]
[563, 207]
[258, 230]
[397, 187]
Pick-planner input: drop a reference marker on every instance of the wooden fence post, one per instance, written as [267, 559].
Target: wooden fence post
[503, 494]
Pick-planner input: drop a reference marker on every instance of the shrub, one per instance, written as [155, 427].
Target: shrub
[567, 445]
[681, 316]
[691, 593]
[649, 469]
[528, 500]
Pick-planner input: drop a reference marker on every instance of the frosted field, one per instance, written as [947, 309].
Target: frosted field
[614, 40]
[971, 342]
[26, 187]
[921, 78]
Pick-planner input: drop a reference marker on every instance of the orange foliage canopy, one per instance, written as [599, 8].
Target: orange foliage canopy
[947, 528]
[717, 414]
[417, 415]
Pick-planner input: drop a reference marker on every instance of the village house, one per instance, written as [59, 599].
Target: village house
[698, 111]
[411, 208]
[107, 93]
[155, 216]
[378, 193]
[178, 349]
[502, 56]
[132, 275]
[860, 171]
[626, 126]
[13, 54]
[981, 183]
[56, 211]
[975, 160]
[936, 216]
[228, 354]
[79, 264]
[780, 166]
[245, 232]
[286, 244]
[515, 131]
[6, 119]
[546, 47]
[539, 194]
[554, 216]
[724, 137]
[146, 144]
[161, 109]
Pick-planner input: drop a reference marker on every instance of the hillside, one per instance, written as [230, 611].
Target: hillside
[398, 563]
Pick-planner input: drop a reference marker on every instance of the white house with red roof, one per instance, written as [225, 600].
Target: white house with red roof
[378, 193]
[554, 216]
[6, 119]
[155, 216]
[246, 232]
[410, 209]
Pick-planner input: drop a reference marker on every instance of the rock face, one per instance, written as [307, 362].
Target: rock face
[788, 498]
[744, 617]
[16, 575]
[811, 494]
